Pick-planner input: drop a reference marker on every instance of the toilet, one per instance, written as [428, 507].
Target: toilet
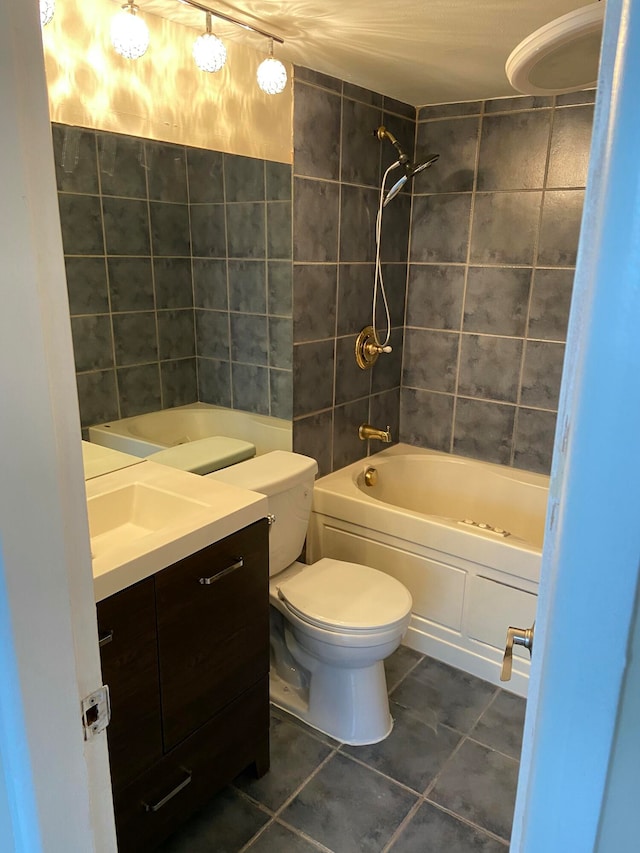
[332, 623]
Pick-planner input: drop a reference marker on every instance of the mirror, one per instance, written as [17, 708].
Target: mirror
[179, 272]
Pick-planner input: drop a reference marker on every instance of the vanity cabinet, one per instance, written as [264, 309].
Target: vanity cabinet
[185, 653]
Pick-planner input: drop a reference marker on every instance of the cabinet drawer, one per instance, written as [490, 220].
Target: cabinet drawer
[213, 629]
[182, 782]
[129, 657]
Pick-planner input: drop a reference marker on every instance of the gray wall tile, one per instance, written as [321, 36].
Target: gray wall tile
[456, 141]
[440, 228]
[281, 393]
[570, 146]
[313, 369]
[87, 285]
[92, 342]
[426, 418]
[316, 207]
[534, 437]
[244, 178]
[464, 108]
[314, 301]
[560, 228]
[166, 172]
[208, 231]
[170, 235]
[75, 157]
[176, 334]
[435, 296]
[490, 367]
[347, 446]
[214, 382]
[122, 165]
[210, 283]
[173, 282]
[360, 147]
[158, 267]
[505, 227]
[496, 300]
[212, 334]
[126, 226]
[139, 389]
[313, 436]
[430, 359]
[351, 382]
[246, 230]
[248, 286]
[131, 284]
[550, 303]
[135, 338]
[98, 397]
[513, 150]
[484, 430]
[250, 384]
[81, 222]
[204, 173]
[358, 209]
[316, 132]
[249, 339]
[541, 374]
[281, 342]
[179, 382]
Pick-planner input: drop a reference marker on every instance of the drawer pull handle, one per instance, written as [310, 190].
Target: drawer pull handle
[105, 639]
[239, 563]
[157, 806]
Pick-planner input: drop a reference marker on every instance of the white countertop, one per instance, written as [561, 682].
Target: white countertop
[99, 460]
[146, 517]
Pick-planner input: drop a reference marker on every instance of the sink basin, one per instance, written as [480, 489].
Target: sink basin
[146, 517]
[127, 514]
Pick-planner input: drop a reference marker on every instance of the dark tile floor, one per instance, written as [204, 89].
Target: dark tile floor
[444, 780]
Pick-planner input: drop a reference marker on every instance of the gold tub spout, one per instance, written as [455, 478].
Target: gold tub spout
[366, 431]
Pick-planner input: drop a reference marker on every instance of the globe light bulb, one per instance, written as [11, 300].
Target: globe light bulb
[129, 34]
[47, 8]
[209, 52]
[272, 76]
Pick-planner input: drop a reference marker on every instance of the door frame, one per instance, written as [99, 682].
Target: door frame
[55, 791]
[592, 546]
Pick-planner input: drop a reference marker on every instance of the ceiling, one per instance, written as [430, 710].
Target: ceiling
[418, 51]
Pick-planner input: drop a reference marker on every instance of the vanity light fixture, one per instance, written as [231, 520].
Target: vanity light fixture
[272, 75]
[129, 34]
[47, 8]
[209, 52]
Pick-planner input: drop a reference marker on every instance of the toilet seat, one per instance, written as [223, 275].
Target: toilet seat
[340, 596]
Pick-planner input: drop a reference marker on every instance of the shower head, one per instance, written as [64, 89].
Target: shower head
[410, 169]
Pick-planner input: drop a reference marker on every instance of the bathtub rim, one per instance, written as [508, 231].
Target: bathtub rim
[116, 434]
[337, 495]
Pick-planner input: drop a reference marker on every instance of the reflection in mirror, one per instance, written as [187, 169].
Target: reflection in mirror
[179, 273]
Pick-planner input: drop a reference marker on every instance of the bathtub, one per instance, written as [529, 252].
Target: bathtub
[145, 434]
[465, 538]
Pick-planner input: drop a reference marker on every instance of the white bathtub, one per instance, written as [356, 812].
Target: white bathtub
[145, 434]
[469, 583]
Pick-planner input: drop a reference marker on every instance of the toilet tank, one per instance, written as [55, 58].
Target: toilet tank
[287, 481]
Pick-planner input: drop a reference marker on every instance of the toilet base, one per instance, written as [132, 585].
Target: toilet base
[349, 705]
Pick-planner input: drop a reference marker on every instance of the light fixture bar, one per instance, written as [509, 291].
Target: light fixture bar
[231, 20]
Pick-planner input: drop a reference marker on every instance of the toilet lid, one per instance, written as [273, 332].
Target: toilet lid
[335, 594]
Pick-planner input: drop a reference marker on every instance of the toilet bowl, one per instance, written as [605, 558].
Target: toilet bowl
[332, 623]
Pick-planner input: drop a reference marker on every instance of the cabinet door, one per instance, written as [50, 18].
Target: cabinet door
[213, 629]
[129, 655]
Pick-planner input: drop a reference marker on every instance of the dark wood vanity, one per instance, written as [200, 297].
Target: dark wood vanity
[185, 653]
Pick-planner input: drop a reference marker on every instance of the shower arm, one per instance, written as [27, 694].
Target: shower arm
[383, 133]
